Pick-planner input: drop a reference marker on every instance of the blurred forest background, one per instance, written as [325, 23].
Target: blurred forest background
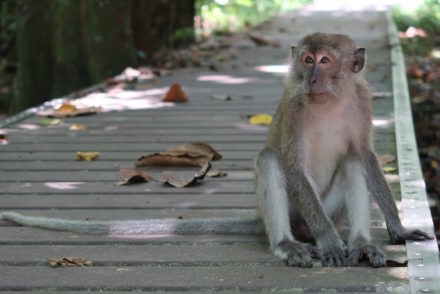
[49, 48]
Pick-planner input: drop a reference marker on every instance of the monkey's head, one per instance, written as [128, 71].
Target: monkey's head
[323, 64]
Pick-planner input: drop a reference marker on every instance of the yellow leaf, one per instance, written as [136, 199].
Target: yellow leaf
[389, 169]
[87, 156]
[49, 122]
[77, 127]
[261, 119]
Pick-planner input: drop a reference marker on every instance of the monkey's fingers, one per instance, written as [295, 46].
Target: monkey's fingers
[418, 235]
[334, 257]
[314, 251]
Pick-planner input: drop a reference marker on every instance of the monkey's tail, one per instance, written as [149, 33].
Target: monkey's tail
[220, 225]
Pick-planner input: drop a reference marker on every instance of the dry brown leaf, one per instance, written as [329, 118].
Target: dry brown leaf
[260, 41]
[87, 156]
[66, 108]
[162, 159]
[195, 149]
[395, 263]
[130, 176]
[177, 181]
[69, 262]
[175, 94]
[386, 158]
[194, 154]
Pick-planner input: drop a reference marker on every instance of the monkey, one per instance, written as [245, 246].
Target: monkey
[317, 166]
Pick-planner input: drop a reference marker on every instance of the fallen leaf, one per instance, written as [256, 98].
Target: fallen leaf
[130, 176]
[215, 173]
[395, 263]
[194, 154]
[175, 94]
[261, 119]
[66, 107]
[49, 122]
[386, 158]
[195, 149]
[67, 112]
[162, 159]
[3, 139]
[260, 41]
[87, 156]
[177, 181]
[77, 127]
[389, 169]
[69, 262]
[221, 97]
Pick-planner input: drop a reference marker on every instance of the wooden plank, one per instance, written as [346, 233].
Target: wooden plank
[253, 278]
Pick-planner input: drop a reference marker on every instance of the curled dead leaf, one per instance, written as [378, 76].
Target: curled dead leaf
[130, 176]
[175, 94]
[395, 263]
[87, 156]
[69, 262]
[178, 181]
[194, 154]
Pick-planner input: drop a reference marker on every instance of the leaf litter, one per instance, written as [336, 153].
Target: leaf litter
[189, 155]
[69, 262]
[133, 176]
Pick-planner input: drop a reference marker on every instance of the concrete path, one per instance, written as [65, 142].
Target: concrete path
[40, 176]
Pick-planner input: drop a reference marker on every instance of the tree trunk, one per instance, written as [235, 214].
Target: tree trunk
[162, 24]
[34, 50]
[107, 37]
[70, 68]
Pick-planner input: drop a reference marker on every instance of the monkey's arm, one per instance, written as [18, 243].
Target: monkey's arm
[382, 194]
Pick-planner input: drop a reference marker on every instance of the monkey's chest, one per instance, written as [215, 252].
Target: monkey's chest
[325, 143]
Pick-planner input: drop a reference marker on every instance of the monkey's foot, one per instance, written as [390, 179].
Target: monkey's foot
[295, 253]
[334, 256]
[375, 257]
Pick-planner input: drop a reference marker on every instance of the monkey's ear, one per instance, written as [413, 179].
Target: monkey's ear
[292, 51]
[359, 60]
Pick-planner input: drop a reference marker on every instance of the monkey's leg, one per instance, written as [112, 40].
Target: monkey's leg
[350, 181]
[273, 206]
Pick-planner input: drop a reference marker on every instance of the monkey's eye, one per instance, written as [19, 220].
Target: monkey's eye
[309, 59]
[324, 60]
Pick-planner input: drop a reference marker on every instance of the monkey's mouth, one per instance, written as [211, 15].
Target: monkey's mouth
[319, 98]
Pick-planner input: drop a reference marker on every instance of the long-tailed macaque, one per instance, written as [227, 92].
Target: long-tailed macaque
[318, 165]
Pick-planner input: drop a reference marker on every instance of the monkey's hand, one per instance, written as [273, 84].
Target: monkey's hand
[333, 251]
[400, 235]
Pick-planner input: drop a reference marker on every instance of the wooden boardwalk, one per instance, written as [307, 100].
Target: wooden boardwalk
[40, 176]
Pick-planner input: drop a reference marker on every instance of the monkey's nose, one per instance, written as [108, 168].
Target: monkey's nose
[312, 79]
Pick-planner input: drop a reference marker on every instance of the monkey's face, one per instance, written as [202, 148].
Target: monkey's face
[323, 64]
[319, 71]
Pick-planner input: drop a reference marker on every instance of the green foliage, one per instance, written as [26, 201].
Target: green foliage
[427, 17]
[236, 14]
